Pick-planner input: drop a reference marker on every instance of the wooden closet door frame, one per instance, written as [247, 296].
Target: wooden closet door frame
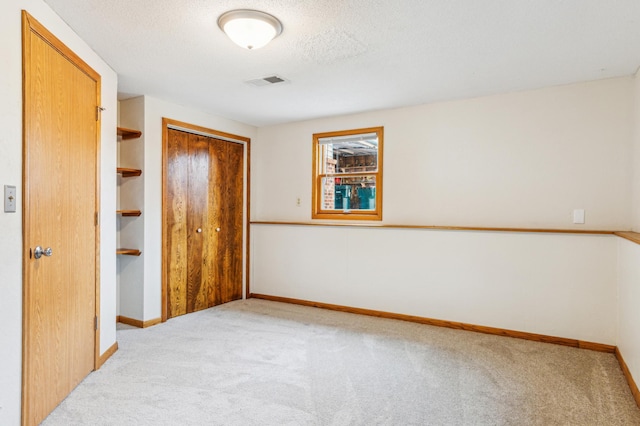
[168, 123]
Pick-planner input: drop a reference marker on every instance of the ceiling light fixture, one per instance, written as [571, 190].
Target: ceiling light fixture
[250, 29]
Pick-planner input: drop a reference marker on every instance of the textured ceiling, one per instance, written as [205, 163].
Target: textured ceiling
[346, 56]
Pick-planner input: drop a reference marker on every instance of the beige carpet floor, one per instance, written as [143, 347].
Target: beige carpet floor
[264, 363]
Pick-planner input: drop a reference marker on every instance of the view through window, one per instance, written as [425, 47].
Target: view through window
[348, 174]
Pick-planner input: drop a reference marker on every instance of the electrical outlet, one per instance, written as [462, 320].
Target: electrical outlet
[578, 216]
[298, 202]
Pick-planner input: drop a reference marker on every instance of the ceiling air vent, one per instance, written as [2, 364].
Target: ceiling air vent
[267, 81]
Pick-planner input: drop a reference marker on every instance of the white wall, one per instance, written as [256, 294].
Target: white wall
[523, 159]
[628, 339]
[154, 111]
[635, 222]
[11, 174]
[553, 284]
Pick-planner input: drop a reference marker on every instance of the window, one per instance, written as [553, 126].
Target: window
[347, 175]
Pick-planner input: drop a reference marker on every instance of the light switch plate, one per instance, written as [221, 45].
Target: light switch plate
[578, 216]
[10, 200]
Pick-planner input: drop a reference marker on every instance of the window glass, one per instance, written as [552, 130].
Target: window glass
[347, 174]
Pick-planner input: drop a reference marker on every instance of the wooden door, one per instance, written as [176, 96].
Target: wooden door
[201, 264]
[204, 222]
[230, 237]
[61, 95]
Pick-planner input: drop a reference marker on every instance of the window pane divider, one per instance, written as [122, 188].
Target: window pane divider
[342, 175]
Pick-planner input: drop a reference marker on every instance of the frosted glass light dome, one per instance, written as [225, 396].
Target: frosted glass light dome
[250, 29]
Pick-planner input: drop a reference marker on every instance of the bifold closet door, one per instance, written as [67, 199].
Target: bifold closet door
[227, 166]
[204, 209]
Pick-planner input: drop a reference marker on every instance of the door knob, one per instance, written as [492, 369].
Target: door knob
[199, 230]
[38, 252]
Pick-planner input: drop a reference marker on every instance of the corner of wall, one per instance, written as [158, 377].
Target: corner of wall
[628, 315]
[635, 186]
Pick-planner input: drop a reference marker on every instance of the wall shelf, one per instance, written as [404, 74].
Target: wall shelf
[125, 133]
[128, 252]
[129, 213]
[129, 172]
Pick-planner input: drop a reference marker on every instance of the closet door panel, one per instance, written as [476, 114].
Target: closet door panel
[176, 217]
[198, 233]
[231, 239]
[216, 194]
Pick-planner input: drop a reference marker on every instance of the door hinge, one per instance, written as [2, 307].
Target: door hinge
[97, 218]
[95, 322]
[99, 109]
